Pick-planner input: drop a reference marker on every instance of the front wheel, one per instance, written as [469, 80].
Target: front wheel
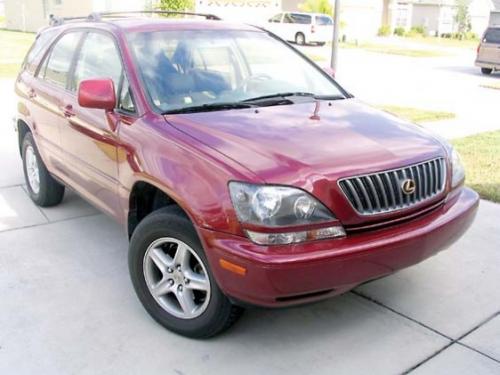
[172, 277]
[486, 71]
[300, 39]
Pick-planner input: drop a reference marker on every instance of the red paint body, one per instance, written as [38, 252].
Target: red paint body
[192, 157]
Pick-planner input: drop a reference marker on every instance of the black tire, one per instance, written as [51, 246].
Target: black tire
[50, 192]
[171, 221]
[486, 71]
[300, 39]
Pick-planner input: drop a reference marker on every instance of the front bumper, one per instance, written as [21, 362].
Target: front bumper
[293, 274]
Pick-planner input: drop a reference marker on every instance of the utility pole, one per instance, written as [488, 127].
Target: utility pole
[335, 41]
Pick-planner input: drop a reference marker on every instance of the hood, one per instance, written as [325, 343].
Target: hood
[299, 143]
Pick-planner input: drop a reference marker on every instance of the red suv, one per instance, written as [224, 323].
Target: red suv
[243, 173]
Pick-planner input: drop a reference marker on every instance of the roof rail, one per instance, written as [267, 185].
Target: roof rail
[98, 16]
[166, 12]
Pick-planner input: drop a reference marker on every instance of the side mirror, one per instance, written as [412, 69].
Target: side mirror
[97, 93]
[328, 70]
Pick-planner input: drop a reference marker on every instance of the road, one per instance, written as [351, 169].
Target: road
[450, 83]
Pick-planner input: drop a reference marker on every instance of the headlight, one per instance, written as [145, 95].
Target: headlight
[457, 169]
[276, 206]
[280, 206]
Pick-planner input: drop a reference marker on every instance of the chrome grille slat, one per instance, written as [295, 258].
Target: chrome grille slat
[391, 192]
[420, 184]
[382, 192]
[359, 206]
[413, 196]
[374, 194]
[365, 194]
[407, 196]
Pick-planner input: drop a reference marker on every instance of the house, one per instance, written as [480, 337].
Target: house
[494, 19]
[479, 11]
[361, 19]
[249, 11]
[438, 16]
[31, 15]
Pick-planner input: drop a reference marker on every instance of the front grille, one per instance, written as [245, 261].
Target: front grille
[383, 192]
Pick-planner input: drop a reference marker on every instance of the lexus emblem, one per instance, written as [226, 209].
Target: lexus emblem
[408, 186]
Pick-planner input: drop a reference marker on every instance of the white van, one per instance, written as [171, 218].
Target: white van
[302, 28]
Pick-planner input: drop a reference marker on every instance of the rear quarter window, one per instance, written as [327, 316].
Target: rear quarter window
[492, 36]
[37, 50]
[323, 21]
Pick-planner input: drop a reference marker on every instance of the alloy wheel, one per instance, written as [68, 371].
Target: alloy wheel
[176, 278]
[32, 169]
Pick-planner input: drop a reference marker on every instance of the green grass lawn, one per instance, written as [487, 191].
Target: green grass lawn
[481, 157]
[396, 50]
[443, 42]
[417, 115]
[13, 47]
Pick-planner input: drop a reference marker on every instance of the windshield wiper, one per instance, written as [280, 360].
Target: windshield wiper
[283, 95]
[278, 95]
[209, 107]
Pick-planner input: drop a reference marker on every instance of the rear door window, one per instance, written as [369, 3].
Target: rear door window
[492, 36]
[303, 19]
[58, 64]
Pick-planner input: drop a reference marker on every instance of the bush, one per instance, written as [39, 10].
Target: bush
[384, 30]
[471, 36]
[399, 31]
[417, 31]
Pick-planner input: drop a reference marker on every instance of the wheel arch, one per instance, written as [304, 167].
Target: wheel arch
[22, 129]
[145, 198]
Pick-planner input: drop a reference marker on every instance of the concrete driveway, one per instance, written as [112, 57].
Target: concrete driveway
[67, 305]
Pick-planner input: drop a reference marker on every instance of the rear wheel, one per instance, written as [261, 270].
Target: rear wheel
[486, 70]
[43, 189]
[172, 278]
[300, 39]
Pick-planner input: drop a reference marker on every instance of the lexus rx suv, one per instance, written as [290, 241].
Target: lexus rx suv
[243, 174]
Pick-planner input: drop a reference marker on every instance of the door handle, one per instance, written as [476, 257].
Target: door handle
[68, 111]
[31, 93]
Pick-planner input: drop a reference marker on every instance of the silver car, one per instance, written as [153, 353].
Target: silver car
[488, 51]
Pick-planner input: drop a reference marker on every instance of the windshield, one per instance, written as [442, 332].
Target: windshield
[183, 69]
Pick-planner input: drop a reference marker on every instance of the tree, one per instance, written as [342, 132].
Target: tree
[316, 6]
[176, 5]
[462, 17]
